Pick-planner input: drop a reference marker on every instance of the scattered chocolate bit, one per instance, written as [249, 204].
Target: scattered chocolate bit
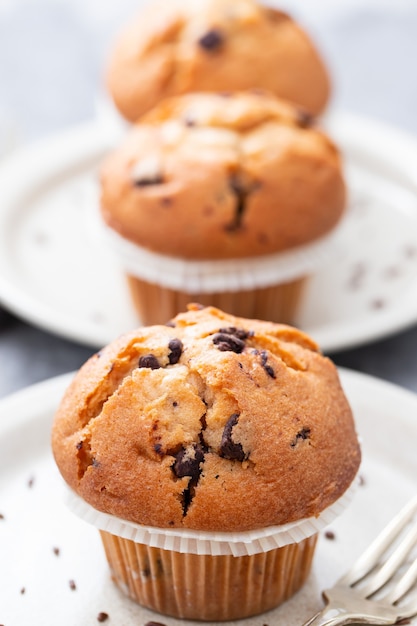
[268, 369]
[377, 304]
[175, 346]
[72, 585]
[56, 551]
[362, 481]
[212, 40]
[149, 361]
[228, 448]
[410, 252]
[79, 445]
[147, 172]
[187, 462]
[175, 403]
[102, 617]
[31, 482]
[303, 434]
[2, 516]
[23, 590]
[329, 534]
[304, 118]
[392, 272]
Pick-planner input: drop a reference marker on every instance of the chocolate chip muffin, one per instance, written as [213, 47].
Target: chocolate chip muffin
[183, 46]
[209, 178]
[211, 423]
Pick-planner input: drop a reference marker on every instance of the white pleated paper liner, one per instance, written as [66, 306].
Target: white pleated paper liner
[211, 543]
[206, 276]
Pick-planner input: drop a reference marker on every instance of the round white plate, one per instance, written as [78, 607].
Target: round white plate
[57, 272]
[34, 523]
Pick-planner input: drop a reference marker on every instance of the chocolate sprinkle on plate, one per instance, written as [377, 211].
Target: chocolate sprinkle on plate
[102, 617]
[72, 585]
[329, 534]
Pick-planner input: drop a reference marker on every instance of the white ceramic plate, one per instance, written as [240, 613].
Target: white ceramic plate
[35, 581]
[57, 272]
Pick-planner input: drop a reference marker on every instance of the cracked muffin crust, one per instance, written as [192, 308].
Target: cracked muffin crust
[183, 46]
[215, 176]
[211, 422]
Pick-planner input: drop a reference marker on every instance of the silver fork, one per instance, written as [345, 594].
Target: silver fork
[359, 598]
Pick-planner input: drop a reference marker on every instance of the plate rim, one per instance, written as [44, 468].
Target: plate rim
[344, 127]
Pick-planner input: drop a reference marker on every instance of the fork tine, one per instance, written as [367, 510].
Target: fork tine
[388, 569]
[370, 557]
[403, 585]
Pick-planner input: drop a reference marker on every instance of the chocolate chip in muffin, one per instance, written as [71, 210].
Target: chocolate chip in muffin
[148, 171]
[304, 118]
[302, 435]
[229, 449]
[187, 462]
[175, 346]
[212, 40]
[150, 361]
[268, 369]
[226, 343]
[241, 333]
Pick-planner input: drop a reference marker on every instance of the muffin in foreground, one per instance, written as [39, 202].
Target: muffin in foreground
[184, 46]
[225, 199]
[209, 452]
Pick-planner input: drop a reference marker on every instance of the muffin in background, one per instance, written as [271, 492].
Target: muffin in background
[184, 46]
[209, 452]
[225, 199]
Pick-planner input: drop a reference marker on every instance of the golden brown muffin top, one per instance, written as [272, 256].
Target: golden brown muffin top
[183, 46]
[211, 422]
[212, 176]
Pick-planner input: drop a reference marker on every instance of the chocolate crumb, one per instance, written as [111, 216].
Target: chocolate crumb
[377, 304]
[329, 534]
[176, 347]
[149, 361]
[362, 481]
[31, 482]
[23, 590]
[56, 551]
[212, 40]
[102, 617]
[175, 403]
[2, 516]
[72, 585]
[228, 448]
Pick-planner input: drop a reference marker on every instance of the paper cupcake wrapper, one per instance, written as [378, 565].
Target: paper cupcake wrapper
[192, 276]
[212, 543]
